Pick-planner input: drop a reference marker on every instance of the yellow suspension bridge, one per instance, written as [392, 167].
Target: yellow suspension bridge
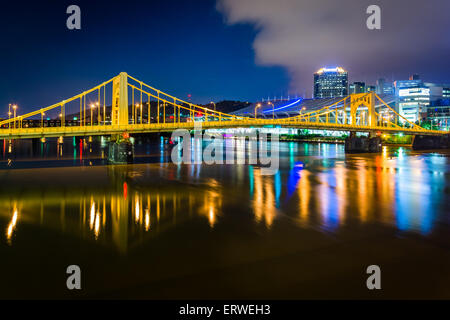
[126, 95]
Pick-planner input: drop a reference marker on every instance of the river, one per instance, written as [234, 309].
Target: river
[159, 230]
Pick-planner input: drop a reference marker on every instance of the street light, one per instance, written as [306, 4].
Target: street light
[92, 114]
[257, 106]
[135, 112]
[301, 110]
[15, 109]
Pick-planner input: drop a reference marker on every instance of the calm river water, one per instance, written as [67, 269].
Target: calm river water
[159, 230]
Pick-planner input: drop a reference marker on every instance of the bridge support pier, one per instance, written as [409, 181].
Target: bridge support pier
[423, 142]
[371, 144]
[120, 150]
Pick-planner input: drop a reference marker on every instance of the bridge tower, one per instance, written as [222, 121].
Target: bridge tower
[119, 112]
[354, 144]
[367, 100]
[120, 151]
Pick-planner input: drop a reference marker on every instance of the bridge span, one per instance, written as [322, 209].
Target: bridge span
[131, 111]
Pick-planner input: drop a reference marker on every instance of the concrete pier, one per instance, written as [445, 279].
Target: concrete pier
[425, 142]
[371, 144]
[120, 150]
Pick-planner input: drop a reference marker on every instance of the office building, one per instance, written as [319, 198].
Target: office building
[446, 92]
[371, 89]
[413, 98]
[438, 113]
[331, 83]
[357, 87]
[384, 87]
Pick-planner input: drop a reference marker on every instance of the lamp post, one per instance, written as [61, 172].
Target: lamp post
[15, 109]
[257, 106]
[92, 114]
[273, 110]
[135, 112]
[300, 112]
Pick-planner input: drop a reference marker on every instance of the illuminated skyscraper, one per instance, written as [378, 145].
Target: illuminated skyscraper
[446, 93]
[330, 83]
[413, 97]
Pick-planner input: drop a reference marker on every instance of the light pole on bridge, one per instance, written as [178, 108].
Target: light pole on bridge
[273, 109]
[256, 108]
[92, 114]
[15, 109]
[42, 119]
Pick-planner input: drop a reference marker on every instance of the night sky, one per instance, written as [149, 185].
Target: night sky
[230, 49]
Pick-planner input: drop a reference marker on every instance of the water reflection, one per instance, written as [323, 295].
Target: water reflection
[317, 186]
[264, 199]
[11, 226]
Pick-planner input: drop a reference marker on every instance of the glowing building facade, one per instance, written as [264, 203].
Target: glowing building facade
[330, 83]
[413, 97]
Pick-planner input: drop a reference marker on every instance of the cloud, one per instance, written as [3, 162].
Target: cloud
[304, 35]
